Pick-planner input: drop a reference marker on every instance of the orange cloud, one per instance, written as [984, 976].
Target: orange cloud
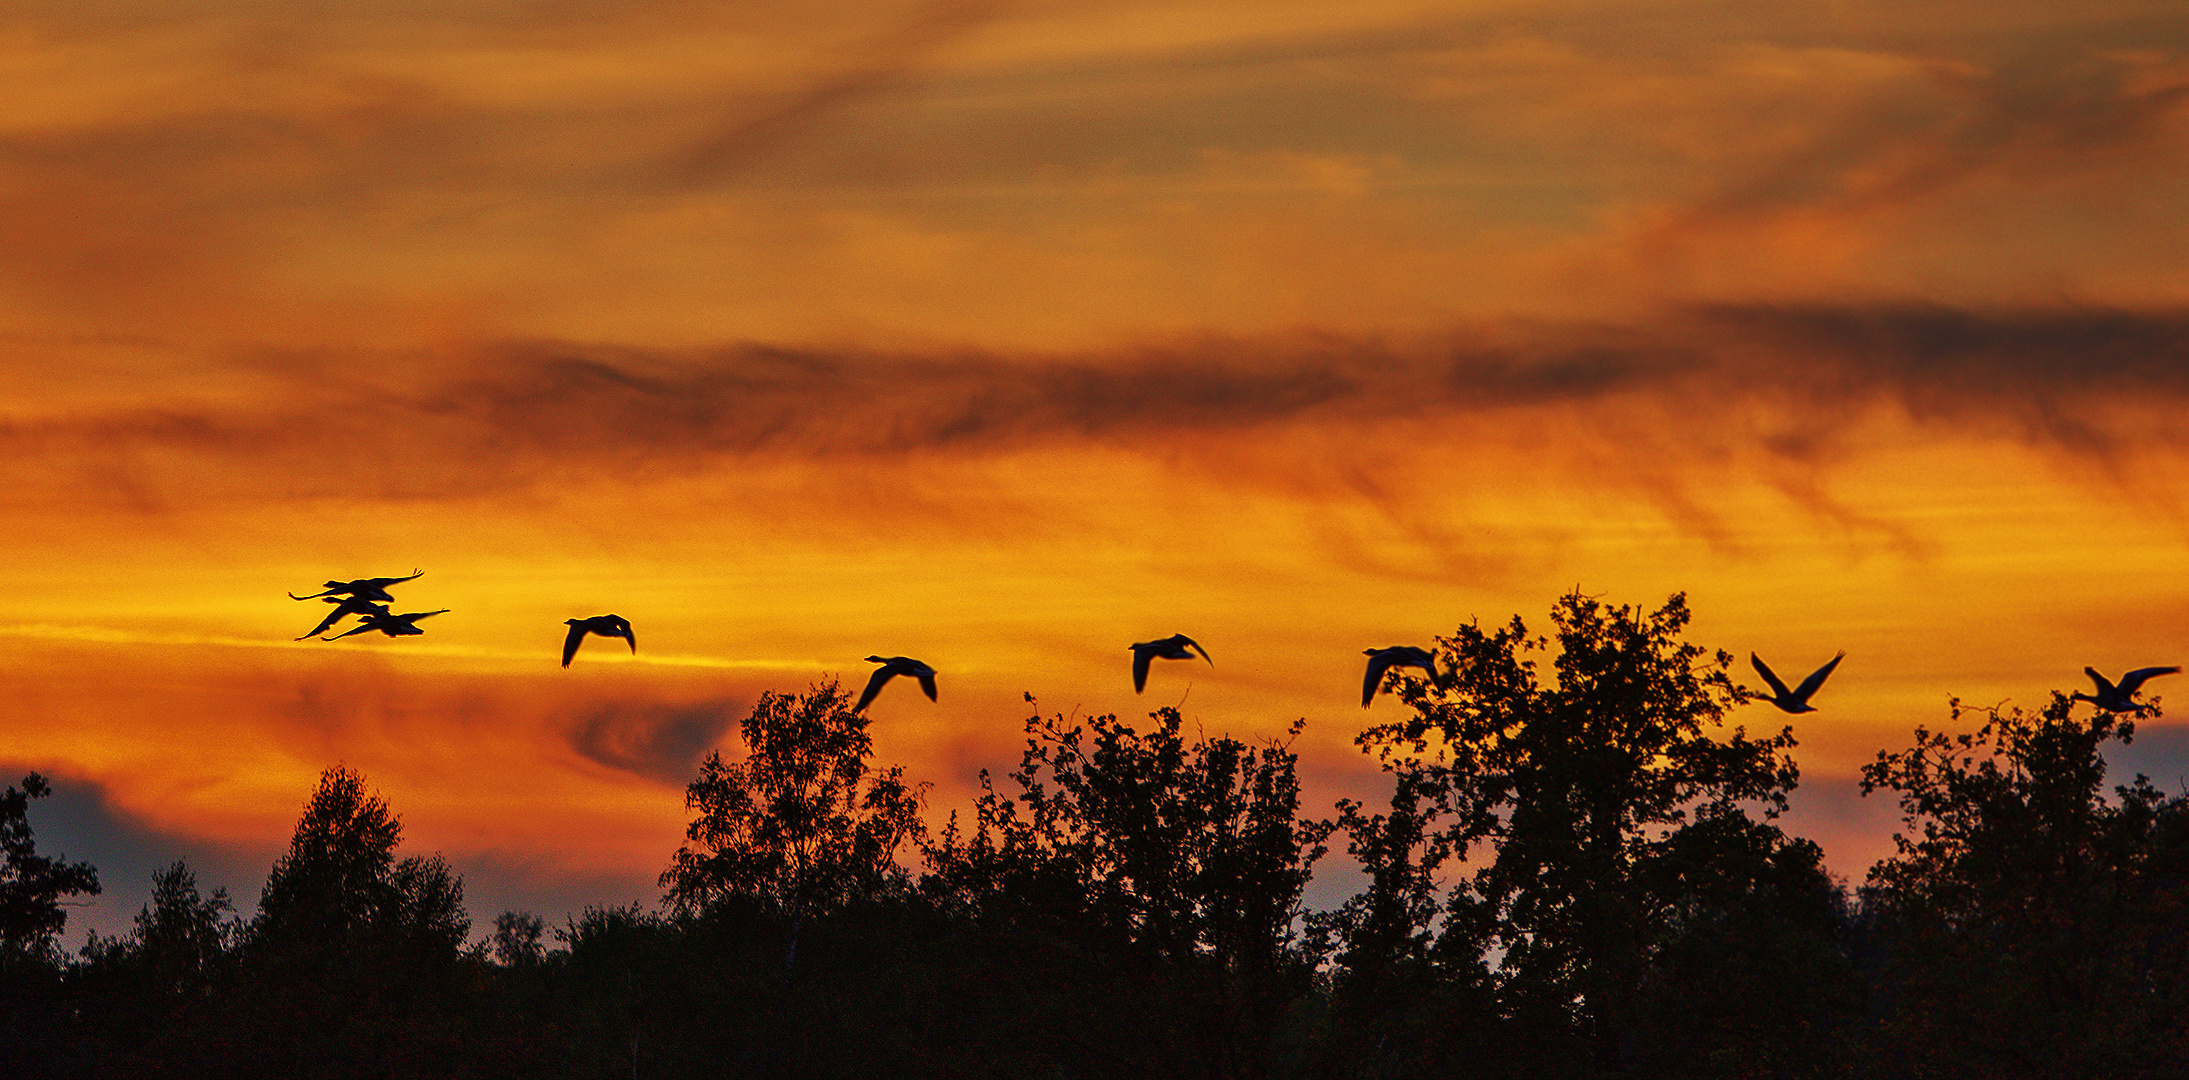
[1015, 176]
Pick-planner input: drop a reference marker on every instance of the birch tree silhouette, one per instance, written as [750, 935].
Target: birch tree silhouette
[803, 825]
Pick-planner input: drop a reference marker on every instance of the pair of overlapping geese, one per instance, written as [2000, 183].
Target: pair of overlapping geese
[368, 598]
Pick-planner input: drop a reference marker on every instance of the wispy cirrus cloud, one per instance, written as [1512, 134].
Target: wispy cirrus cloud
[1002, 174]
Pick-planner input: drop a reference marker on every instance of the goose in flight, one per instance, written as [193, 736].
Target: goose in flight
[893, 666]
[604, 625]
[363, 588]
[1382, 660]
[403, 625]
[1174, 647]
[1797, 699]
[2120, 698]
[345, 605]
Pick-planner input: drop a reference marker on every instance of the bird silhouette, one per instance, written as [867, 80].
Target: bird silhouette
[604, 625]
[893, 666]
[2120, 698]
[404, 625]
[1174, 647]
[1797, 699]
[363, 588]
[345, 605]
[1382, 660]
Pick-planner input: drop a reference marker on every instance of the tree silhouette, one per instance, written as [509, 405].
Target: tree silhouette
[33, 887]
[618, 962]
[1400, 1006]
[802, 825]
[519, 939]
[340, 885]
[1186, 856]
[182, 938]
[1586, 815]
[352, 967]
[36, 1018]
[2016, 876]
[143, 1001]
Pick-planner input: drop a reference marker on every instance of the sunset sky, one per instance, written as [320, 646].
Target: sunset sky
[1003, 335]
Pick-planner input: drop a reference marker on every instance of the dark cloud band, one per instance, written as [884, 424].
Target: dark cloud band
[527, 414]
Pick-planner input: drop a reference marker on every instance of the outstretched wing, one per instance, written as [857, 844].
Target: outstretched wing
[406, 624]
[333, 615]
[873, 687]
[2134, 679]
[333, 587]
[628, 635]
[1764, 670]
[570, 642]
[2105, 688]
[1378, 663]
[384, 582]
[1816, 678]
[1140, 669]
[927, 683]
[1196, 646]
[358, 629]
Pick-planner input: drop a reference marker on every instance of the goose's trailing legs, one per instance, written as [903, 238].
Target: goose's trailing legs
[1174, 647]
[1382, 660]
[893, 666]
[604, 625]
[1797, 699]
[2120, 698]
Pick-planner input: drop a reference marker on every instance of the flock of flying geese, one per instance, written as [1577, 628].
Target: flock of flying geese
[369, 600]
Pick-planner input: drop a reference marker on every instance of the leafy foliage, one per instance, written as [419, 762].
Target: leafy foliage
[33, 887]
[519, 939]
[355, 959]
[2019, 876]
[1182, 850]
[802, 824]
[182, 938]
[1594, 823]
[33, 910]
[1185, 858]
[340, 886]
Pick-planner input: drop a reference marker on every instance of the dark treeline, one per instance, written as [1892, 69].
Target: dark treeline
[1577, 873]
